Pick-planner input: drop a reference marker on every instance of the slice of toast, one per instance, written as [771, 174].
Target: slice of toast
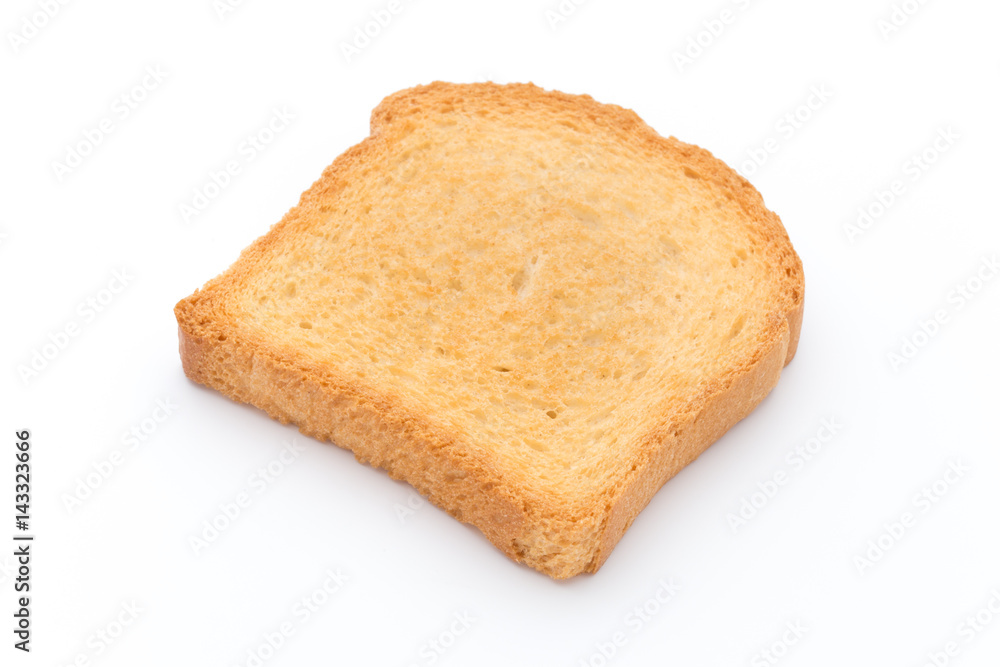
[528, 305]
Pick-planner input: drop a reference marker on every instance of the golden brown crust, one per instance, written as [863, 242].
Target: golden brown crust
[471, 484]
[375, 428]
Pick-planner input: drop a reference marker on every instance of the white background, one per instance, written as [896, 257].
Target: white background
[795, 561]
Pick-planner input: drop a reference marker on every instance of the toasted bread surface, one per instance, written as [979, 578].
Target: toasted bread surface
[529, 305]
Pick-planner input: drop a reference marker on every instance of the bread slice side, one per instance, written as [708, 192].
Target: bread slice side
[531, 496]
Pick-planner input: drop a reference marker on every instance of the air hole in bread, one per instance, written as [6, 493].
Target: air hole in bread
[535, 444]
[737, 326]
[588, 216]
[669, 245]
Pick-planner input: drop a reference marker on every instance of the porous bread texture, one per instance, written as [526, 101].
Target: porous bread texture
[528, 305]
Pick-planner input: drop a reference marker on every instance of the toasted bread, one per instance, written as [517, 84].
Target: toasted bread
[527, 304]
